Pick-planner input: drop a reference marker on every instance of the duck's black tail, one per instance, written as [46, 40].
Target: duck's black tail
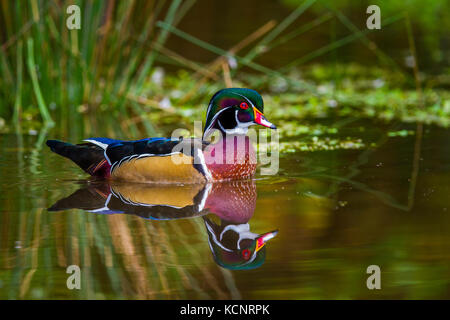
[87, 156]
[89, 197]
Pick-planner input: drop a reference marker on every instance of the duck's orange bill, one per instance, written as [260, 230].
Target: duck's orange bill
[261, 119]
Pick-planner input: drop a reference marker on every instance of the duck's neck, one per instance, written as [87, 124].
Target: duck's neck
[231, 157]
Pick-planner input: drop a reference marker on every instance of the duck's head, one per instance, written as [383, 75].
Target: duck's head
[234, 246]
[233, 110]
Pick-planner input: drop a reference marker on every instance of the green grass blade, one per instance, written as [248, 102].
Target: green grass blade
[34, 79]
[160, 41]
[18, 101]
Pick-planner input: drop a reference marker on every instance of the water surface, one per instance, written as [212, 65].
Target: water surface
[336, 212]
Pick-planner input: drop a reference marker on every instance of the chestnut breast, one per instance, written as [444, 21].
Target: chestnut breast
[231, 158]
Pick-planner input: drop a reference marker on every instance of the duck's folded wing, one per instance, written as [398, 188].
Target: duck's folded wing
[123, 150]
[151, 159]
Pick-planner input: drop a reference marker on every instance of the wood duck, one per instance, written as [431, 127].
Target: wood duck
[234, 246]
[225, 207]
[164, 160]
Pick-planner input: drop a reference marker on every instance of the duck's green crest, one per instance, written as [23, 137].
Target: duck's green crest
[236, 108]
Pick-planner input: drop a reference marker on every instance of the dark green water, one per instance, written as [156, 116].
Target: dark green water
[337, 212]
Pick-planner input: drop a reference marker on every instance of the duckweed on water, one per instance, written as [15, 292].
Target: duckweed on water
[293, 129]
[315, 144]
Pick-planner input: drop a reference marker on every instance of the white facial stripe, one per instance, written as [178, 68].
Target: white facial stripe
[236, 118]
[245, 99]
[213, 236]
[213, 120]
[243, 230]
[220, 125]
[239, 129]
[238, 228]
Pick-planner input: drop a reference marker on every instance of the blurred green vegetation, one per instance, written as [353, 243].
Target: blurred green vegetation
[430, 20]
[67, 72]
[118, 71]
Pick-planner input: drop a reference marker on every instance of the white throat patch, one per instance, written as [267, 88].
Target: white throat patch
[240, 129]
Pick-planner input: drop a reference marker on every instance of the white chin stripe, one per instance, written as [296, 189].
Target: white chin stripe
[237, 131]
[241, 128]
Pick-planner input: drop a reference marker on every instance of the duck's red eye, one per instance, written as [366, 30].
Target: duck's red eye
[246, 253]
[244, 105]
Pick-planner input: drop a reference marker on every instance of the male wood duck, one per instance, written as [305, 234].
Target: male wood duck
[226, 209]
[234, 246]
[164, 160]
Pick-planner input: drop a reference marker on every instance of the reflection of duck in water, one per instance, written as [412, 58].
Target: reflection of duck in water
[234, 246]
[233, 203]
